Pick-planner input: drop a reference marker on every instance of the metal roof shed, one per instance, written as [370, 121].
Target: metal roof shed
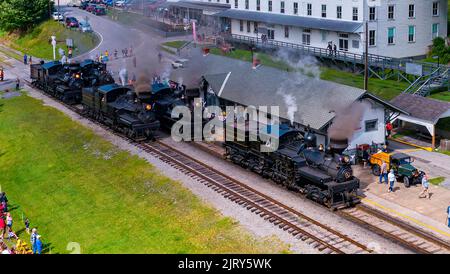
[423, 111]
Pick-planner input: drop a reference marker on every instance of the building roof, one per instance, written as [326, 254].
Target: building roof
[293, 20]
[215, 7]
[316, 101]
[427, 109]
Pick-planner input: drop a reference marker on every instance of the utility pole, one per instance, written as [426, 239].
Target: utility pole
[366, 58]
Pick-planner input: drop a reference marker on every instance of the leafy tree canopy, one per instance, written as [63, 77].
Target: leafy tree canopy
[23, 14]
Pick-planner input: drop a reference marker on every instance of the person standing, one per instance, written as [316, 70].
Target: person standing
[17, 83]
[2, 73]
[31, 60]
[425, 186]
[160, 57]
[389, 129]
[37, 249]
[115, 54]
[25, 59]
[27, 225]
[9, 221]
[33, 237]
[383, 173]
[2, 226]
[391, 178]
[134, 61]
[448, 216]
[335, 50]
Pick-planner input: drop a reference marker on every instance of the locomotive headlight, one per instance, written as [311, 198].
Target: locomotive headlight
[346, 159]
[148, 107]
[77, 76]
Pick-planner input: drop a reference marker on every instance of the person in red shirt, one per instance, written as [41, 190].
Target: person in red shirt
[388, 129]
[2, 226]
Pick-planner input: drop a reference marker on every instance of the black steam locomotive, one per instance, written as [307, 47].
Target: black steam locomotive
[65, 81]
[324, 176]
[122, 109]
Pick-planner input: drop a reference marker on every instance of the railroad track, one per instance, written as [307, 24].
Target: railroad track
[321, 237]
[392, 228]
[325, 239]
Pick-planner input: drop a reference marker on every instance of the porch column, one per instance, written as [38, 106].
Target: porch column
[433, 138]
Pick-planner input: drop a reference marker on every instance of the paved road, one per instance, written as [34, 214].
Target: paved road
[117, 36]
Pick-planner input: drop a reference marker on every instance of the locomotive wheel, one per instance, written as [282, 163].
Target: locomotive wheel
[376, 170]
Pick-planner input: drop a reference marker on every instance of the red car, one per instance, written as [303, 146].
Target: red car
[99, 11]
[72, 22]
[90, 7]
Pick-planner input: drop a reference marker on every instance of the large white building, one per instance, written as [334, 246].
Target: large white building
[397, 28]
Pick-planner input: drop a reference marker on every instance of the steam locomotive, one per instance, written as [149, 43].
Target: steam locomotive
[122, 109]
[324, 176]
[65, 81]
[90, 84]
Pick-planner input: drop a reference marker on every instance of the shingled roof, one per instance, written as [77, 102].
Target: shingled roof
[430, 110]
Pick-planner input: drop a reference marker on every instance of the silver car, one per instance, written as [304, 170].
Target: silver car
[85, 27]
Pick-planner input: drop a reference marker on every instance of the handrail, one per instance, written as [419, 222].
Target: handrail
[413, 84]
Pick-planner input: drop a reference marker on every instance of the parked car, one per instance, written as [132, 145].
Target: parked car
[180, 63]
[72, 22]
[120, 3]
[99, 10]
[57, 16]
[90, 7]
[85, 26]
[83, 5]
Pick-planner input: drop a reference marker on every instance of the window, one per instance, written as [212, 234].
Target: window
[324, 11]
[241, 25]
[286, 31]
[255, 27]
[246, 4]
[435, 8]
[339, 12]
[435, 30]
[258, 4]
[355, 44]
[295, 8]
[309, 9]
[235, 4]
[391, 10]
[248, 26]
[371, 125]
[282, 7]
[411, 11]
[372, 13]
[355, 14]
[306, 39]
[372, 38]
[228, 1]
[411, 34]
[391, 34]
[270, 6]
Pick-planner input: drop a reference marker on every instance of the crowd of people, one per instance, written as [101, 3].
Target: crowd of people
[7, 233]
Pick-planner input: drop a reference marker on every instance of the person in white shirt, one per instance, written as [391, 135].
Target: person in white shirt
[391, 178]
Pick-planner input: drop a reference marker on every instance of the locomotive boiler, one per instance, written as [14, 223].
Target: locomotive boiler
[324, 176]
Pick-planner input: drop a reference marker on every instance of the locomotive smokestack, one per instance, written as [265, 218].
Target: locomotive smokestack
[338, 145]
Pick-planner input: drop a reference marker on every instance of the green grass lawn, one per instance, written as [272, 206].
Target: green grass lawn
[443, 96]
[76, 187]
[175, 44]
[437, 181]
[37, 41]
[386, 89]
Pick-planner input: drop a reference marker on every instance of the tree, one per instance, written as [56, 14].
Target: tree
[440, 49]
[23, 14]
